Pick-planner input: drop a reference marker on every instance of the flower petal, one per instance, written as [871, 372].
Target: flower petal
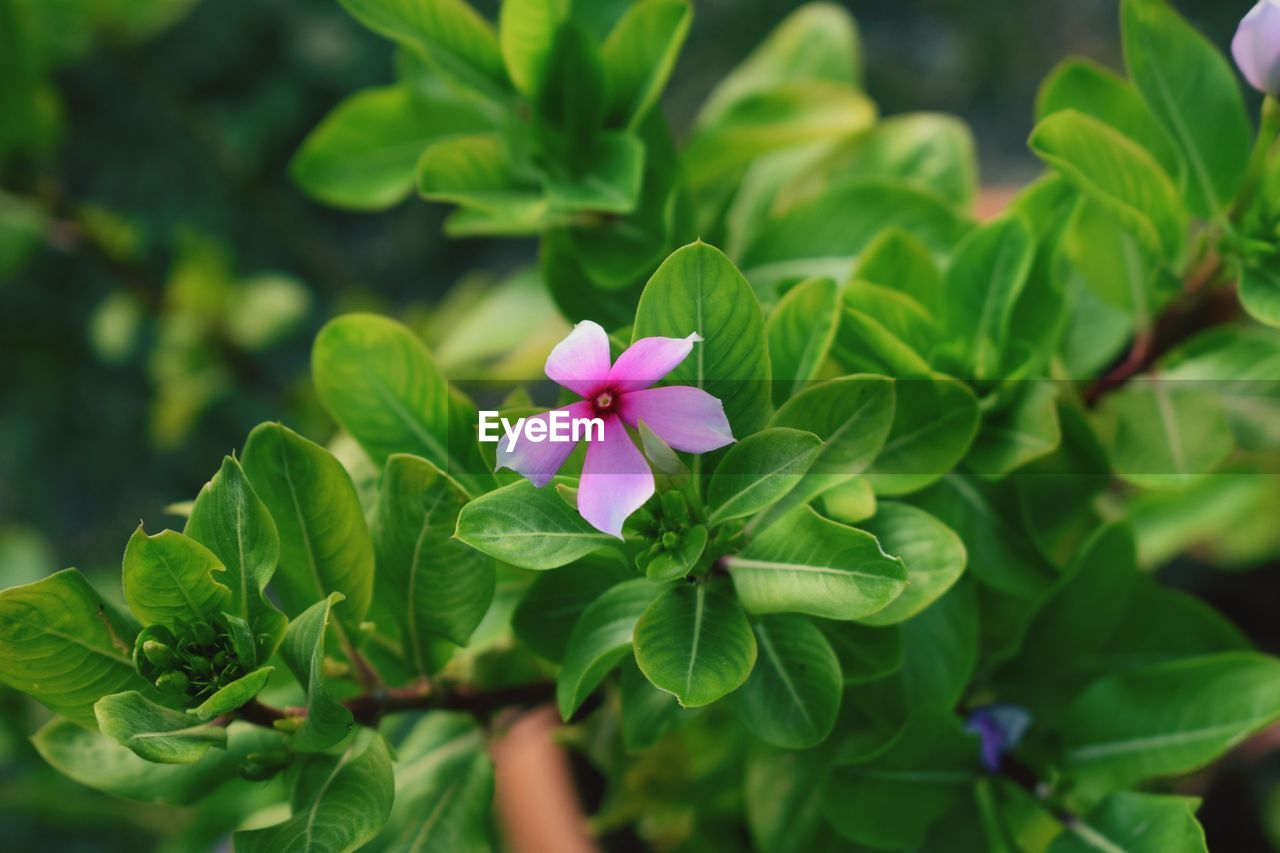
[540, 460]
[1256, 47]
[616, 480]
[686, 418]
[581, 361]
[648, 360]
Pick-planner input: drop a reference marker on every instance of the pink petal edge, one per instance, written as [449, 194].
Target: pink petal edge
[648, 360]
[616, 480]
[686, 418]
[581, 361]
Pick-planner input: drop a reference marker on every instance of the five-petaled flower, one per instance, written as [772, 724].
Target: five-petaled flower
[616, 480]
[1257, 47]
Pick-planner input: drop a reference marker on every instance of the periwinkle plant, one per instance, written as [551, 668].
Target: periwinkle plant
[877, 567]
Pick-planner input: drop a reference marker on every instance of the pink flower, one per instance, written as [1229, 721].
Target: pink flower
[616, 480]
[1257, 47]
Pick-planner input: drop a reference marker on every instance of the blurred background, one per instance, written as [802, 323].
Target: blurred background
[161, 279]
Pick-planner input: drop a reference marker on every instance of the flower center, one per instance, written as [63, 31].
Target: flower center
[604, 401]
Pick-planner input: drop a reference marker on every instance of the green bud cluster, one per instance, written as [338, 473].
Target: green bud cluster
[672, 529]
[194, 660]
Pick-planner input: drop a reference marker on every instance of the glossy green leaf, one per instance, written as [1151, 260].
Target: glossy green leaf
[363, 155]
[1136, 823]
[891, 800]
[1192, 89]
[935, 420]
[528, 527]
[599, 640]
[448, 34]
[825, 235]
[697, 289]
[556, 599]
[695, 644]
[640, 54]
[1083, 85]
[782, 808]
[800, 329]
[379, 382]
[101, 763]
[758, 471]
[233, 695]
[325, 546]
[1169, 718]
[865, 653]
[169, 577]
[1024, 430]
[338, 802]
[477, 172]
[437, 586]
[647, 712]
[609, 180]
[1161, 624]
[792, 697]
[326, 722]
[571, 100]
[1260, 290]
[230, 520]
[932, 553]
[62, 644]
[155, 732]
[1112, 262]
[526, 33]
[1164, 434]
[443, 789]
[805, 563]
[898, 260]
[1116, 172]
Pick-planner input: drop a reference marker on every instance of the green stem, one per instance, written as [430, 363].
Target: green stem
[1268, 132]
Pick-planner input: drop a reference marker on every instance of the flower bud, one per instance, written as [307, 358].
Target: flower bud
[203, 633]
[199, 665]
[157, 654]
[172, 682]
[670, 540]
[674, 507]
[1257, 47]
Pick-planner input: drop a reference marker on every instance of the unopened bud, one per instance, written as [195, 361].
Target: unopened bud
[1257, 47]
[158, 654]
[670, 541]
[172, 682]
[674, 507]
[203, 633]
[199, 664]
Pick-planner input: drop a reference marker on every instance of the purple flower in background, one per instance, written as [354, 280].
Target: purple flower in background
[1257, 47]
[616, 479]
[999, 729]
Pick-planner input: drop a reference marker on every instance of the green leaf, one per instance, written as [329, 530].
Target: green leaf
[865, 654]
[1112, 262]
[640, 54]
[932, 552]
[1024, 430]
[1081, 84]
[155, 732]
[782, 809]
[1136, 823]
[792, 697]
[572, 99]
[1161, 624]
[805, 563]
[1164, 434]
[852, 415]
[101, 763]
[230, 520]
[437, 586]
[62, 644]
[326, 721]
[1191, 88]
[324, 544]
[758, 471]
[1119, 174]
[1260, 289]
[364, 154]
[785, 115]
[526, 33]
[891, 800]
[801, 329]
[380, 384]
[233, 695]
[556, 599]
[897, 260]
[983, 283]
[697, 289]
[448, 34]
[528, 527]
[883, 331]
[940, 650]
[599, 640]
[338, 802]
[478, 173]
[169, 577]
[826, 235]
[934, 422]
[1169, 718]
[647, 712]
[609, 181]
[816, 42]
[443, 789]
[1001, 554]
[695, 644]
[678, 562]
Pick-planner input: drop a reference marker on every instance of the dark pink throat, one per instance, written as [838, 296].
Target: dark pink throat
[605, 402]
